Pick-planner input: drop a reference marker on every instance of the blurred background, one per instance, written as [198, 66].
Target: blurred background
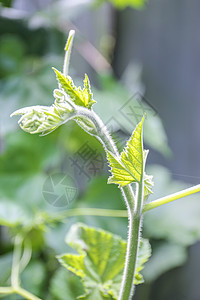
[140, 57]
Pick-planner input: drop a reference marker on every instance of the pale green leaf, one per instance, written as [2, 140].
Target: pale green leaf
[100, 260]
[86, 124]
[82, 97]
[87, 90]
[120, 174]
[129, 166]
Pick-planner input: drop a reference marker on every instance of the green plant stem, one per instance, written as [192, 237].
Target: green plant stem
[99, 212]
[6, 290]
[172, 197]
[15, 280]
[134, 209]
[20, 291]
[16, 262]
[94, 212]
[105, 138]
[135, 217]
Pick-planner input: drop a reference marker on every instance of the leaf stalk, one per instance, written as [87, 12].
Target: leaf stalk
[15, 287]
[172, 197]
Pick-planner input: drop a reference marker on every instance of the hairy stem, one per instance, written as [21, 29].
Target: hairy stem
[134, 208]
[135, 217]
[172, 197]
[109, 145]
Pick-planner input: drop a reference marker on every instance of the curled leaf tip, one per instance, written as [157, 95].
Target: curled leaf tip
[43, 119]
[70, 40]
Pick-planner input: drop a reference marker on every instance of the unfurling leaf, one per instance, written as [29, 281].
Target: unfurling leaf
[81, 97]
[45, 119]
[100, 260]
[87, 124]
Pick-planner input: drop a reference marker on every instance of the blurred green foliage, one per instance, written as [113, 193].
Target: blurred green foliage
[26, 57]
[6, 3]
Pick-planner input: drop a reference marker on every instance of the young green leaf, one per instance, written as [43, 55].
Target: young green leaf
[129, 167]
[38, 119]
[87, 125]
[82, 97]
[120, 174]
[100, 260]
[45, 119]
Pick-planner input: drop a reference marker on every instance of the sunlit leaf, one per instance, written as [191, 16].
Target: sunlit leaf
[129, 166]
[82, 97]
[100, 260]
